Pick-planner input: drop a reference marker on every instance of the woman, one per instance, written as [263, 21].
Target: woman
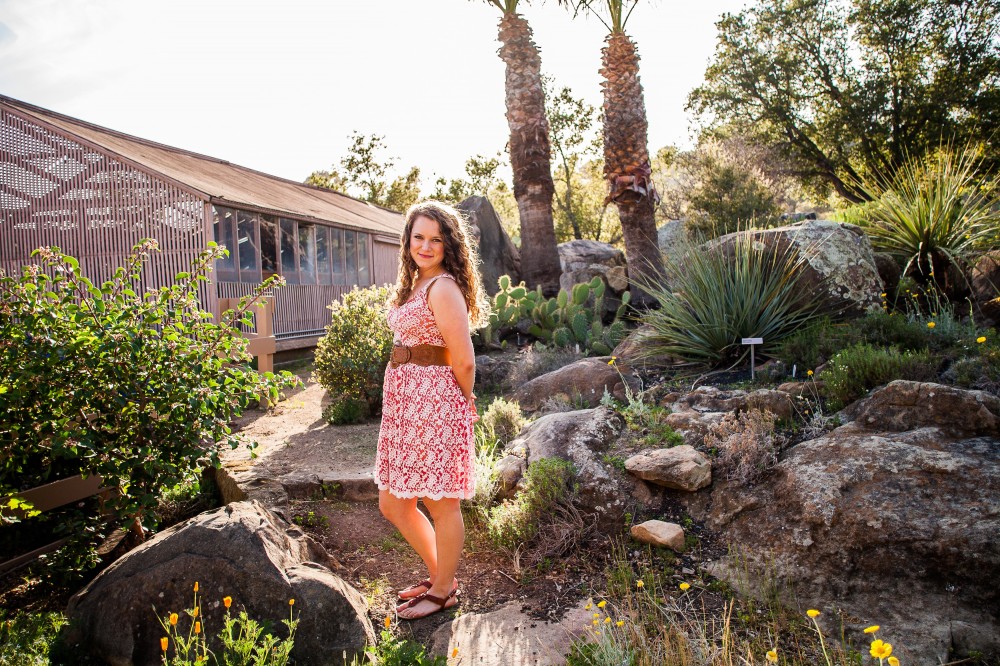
[426, 448]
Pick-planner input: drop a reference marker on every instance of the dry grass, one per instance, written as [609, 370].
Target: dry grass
[746, 443]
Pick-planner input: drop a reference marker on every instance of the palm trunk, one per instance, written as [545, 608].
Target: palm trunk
[529, 154]
[626, 161]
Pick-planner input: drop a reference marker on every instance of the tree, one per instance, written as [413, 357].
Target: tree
[529, 149]
[575, 134]
[364, 172]
[626, 155]
[483, 179]
[847, 89]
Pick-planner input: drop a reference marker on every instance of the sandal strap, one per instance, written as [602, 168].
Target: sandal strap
[423, 583]
[427, 596]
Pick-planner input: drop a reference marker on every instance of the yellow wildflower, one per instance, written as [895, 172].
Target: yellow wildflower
[197, 627]
[597, 615]
[685, 587]
[387, 622]
[602, 604]
[194, 613]
[880, 649]
[981, 339]
[931, 324]
[809, 373]
[454, 653]
[588, 606]
[612, 361]
[164, 643]
[772, 656]
[812, 612]
[893, 661]
[291, 602]
[196, 586]
[227, 601]
[872, 629]
[594, 622]
[620, 623]
[639, 583]
[173, 619]
[607, 620]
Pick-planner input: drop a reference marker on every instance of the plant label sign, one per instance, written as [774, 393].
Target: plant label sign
[752, 342]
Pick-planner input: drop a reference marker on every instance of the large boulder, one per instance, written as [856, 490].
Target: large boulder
[583, 382]
[680, 467]
[243, 551]
[672, 239]
[892, 518]
[840, 268]
[499, 256]
[986, 287]
[581, 437]
[581, 260]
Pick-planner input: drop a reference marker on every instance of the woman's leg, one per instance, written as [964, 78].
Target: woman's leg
[415, 528]
[449, 529]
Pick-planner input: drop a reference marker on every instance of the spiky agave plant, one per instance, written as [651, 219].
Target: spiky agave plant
[935, 216]
[723, 292]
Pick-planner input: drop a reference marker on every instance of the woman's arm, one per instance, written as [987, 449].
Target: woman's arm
[452, 318]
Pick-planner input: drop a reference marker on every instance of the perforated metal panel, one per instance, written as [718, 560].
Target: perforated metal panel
[59, 191]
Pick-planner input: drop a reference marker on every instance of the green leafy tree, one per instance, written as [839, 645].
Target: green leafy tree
[365, 172]
[138, 388]
[847, 89]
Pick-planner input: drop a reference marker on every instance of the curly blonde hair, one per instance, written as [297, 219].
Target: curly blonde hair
[461, 260]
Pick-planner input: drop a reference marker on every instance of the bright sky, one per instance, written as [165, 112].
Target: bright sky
[279, 85]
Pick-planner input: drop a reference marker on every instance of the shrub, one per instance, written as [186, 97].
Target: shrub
[503, 420]
[547, 483]
[351, 357]
[861, 367]
[728, 198]
[345, 410]
[934, 215]
[25, 638]
[721, 295]
[138, 388]
[746, 445]
[813, 345]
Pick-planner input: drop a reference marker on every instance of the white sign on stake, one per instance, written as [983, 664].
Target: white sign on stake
[752, 342]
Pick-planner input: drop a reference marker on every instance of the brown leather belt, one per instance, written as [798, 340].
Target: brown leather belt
[419, 355]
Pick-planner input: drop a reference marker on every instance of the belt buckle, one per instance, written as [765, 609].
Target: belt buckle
[409, 355]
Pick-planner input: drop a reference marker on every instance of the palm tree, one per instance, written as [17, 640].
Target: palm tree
[626, 155]
[529, 149]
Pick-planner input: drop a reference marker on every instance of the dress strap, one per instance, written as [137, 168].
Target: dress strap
[427, 287]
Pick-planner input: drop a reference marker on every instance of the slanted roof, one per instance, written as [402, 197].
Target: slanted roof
[222, 182]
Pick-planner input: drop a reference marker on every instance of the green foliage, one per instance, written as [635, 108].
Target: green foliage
[244, 641]
[934, 216]
[834, 107]
[25, 638]
[365, 173]
[724, 294]
[547, 483]
[569, 319]
[351, 357]
[137, 388]
[861, 367]
[394, 651]
[729, 198]
[346, 410]
[502, 420]
[812, 345]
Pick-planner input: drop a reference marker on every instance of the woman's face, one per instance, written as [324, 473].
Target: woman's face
[426, 244]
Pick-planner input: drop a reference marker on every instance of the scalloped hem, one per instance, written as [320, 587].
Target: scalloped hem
[431, 496]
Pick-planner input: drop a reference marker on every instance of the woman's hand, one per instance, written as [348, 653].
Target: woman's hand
[472, 408]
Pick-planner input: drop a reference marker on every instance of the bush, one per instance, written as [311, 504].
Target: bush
[346, 410]
[547, 483]
[137, 388]
[746, 445]
[861, 367]
[721, 295]
[26, 638]
[351, 357]
[502, 421]
[935, 216]
[729, 198]
[815, 344]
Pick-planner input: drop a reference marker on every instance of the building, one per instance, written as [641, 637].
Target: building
[95, 193]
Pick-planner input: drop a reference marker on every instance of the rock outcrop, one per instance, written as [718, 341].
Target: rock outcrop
[986, 287]
[892, 517]
[581, 260]
[243, 551]
[694, 414]
[840, 269]
[582, 382]
[580, 437]
[498, 254]
[679, 468]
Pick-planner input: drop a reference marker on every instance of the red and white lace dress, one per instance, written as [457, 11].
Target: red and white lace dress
[425, 444]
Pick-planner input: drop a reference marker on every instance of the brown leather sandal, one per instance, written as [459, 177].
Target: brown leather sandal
[423, 583]
[426, 596]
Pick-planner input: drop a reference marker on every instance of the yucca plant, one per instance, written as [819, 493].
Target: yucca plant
[934, 216]
[723, 293]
